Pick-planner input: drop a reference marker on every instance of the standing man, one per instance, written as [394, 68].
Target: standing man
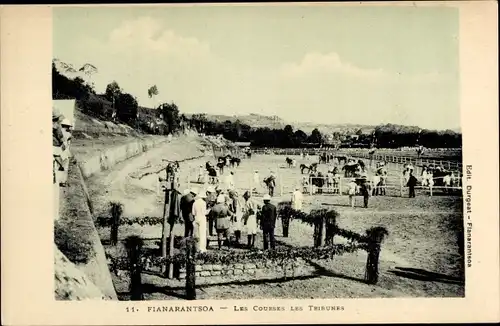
[66, 155]
[297, 199]
[229, 181]
[200, 218]
[412, 182]
[256, 181]
[236, 208]
[250, 219]
[365, 188]
[187, 201]
[271, 184]
[211, 201]
[221, 214]
[268, 222]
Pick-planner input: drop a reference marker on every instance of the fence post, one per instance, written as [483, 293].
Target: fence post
[190, 269]
[318, 231]
[430, 189]
[374, 239]
[134, 245]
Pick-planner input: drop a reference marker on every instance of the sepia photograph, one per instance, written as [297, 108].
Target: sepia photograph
[257, 152]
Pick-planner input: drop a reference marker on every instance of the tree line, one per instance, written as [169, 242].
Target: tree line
[383, 136]
[117, 105]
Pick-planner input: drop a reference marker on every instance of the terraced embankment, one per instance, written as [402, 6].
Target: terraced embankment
[100, 174]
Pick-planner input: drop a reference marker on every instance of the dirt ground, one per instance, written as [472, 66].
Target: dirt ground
[419, 258]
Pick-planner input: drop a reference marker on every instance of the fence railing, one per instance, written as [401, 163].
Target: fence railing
[401, 159]
[339, 186]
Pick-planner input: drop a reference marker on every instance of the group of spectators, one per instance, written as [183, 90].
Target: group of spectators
[225, 213]
[61, 139]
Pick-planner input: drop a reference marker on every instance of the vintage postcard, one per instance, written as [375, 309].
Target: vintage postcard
[250, 163]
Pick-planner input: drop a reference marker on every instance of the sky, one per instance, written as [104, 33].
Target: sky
[320, 63]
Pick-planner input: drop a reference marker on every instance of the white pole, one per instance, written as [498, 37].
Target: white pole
[401, 185]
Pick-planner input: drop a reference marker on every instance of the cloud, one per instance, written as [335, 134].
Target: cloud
[316, 64]
[330, 63]
[147, 36]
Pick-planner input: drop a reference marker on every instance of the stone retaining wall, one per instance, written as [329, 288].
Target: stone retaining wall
[252, 270]
[108, 158]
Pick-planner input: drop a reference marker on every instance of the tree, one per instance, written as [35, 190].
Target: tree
[316, 137]
[300, 137]
[170, 113]
[126, 108]
[113, 90]
[152, 92]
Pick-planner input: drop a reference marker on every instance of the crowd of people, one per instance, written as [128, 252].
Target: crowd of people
[226, 214]
[61, 139]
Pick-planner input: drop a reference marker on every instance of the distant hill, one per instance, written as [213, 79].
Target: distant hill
[274, 122]
[252, 119]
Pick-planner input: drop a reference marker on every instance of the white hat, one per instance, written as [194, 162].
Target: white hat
[211, 189]
[186, 191]
[221, 199]
[65, 122]
[194, 190]
[266, 197]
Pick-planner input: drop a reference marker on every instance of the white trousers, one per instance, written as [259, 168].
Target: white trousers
[201, 233]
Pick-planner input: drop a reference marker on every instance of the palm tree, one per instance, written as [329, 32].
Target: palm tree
[152, 92]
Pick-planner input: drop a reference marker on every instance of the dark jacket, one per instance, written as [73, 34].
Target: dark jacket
[412, 181]
[187, 207]
[57, 135]
[268, 216]
[175, 206]
[221, 214]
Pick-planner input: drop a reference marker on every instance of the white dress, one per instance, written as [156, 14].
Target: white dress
[251, 220]
[200, 218]
[237, 225]
[297, 200]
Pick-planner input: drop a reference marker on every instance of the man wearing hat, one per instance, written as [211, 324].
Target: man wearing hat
[200, 218]
[236, 208]
[66, 154]
[211, 201]
[58, 145]
[221, 214]
[187, 201]
[268, 222]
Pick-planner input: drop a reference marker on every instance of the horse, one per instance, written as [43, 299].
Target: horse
[303, 167]
[235, 161]
[289, 162]
[212, 176]
[220, 166]
[350, 169]
[322, 158]
[249, 154]
[208, 165]
[341, 159]
[361, 164]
